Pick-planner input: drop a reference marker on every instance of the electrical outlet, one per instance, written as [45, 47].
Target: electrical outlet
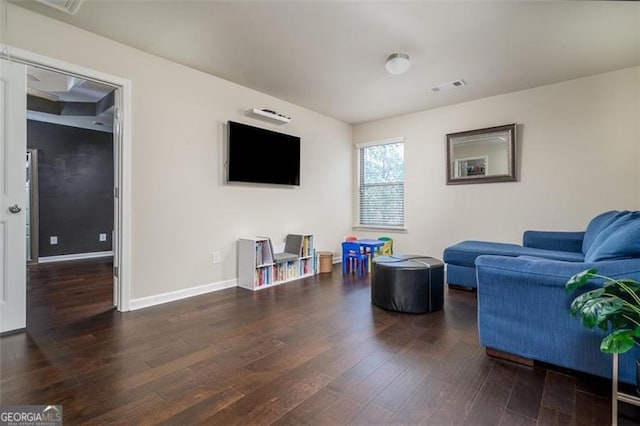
[103, 237]
[216, 257]
[53, 240]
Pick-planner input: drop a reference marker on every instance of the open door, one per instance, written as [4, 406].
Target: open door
[13, 250]
[117, 210]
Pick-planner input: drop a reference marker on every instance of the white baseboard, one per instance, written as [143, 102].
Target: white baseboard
[75, 256]
[158, 299]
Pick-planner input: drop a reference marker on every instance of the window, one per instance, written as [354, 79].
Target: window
[381, 183]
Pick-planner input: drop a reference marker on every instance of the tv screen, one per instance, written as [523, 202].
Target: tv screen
[262, 156]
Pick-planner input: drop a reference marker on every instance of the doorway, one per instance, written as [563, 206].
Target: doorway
[121, 239]
[70, 133]
[70, 127]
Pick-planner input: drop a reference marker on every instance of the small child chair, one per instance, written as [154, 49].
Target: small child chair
[387, 248]
[352, 256]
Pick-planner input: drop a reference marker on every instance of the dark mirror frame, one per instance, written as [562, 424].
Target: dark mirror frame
[510, 129]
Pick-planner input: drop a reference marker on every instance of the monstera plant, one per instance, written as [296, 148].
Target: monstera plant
[613, 308]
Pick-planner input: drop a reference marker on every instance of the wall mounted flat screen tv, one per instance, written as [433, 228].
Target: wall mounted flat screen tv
[262, 156]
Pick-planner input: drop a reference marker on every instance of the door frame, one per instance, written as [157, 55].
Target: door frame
[34, 208]
[122, 160]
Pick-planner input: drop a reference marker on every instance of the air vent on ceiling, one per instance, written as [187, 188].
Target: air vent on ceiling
[448, 85]
[67, 6]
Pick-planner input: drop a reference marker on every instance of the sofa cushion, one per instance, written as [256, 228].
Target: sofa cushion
[554, 240]
[596, 225]
[466, 252]
[619, 239]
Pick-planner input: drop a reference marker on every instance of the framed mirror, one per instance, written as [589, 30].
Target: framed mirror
[482, 156]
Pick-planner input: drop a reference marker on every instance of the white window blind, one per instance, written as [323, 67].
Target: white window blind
[381, 184]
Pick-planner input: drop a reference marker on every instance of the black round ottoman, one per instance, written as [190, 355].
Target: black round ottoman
[408, 283]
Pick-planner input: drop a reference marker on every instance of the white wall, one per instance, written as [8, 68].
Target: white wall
[637, 137]
[579, 150]
[578, 155]
[182, 210]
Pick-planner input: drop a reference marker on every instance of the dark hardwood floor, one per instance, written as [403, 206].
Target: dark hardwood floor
[309, 352]
[64, 293]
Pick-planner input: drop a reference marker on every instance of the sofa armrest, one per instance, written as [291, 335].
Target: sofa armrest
[550, 240]
[556, 272]
[523, 309]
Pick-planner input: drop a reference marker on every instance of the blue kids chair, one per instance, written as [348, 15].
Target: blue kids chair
[352, 256]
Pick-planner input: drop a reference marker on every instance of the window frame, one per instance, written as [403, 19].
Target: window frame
[358, 147]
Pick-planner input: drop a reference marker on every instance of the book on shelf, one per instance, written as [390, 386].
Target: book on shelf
[316, 261]
[263, 276]
[307, 246]
[279, 272]
[263, 253]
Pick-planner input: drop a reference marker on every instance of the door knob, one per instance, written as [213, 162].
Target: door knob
[15, 208]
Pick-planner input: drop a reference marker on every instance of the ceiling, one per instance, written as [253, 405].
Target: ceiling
[329, 56]
[62, 99]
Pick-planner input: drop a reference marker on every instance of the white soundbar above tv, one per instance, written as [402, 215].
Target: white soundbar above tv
[271, 115]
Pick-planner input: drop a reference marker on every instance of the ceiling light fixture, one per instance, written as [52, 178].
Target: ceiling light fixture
[397, 63]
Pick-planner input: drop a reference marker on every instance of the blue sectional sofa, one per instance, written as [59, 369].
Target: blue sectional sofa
[523, 308]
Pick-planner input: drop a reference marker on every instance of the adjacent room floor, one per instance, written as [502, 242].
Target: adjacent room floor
[61, 294]
[313, 351]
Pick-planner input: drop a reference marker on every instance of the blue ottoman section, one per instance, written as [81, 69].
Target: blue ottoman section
[460, 258]
[610, 235]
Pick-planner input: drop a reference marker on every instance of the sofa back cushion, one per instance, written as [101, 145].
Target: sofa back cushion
[596, 225]
[619, 239]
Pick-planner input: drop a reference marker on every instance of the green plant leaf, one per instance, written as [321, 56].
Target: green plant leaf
[618, 342]
[614, 287]
[579, 302]
[626, 289]
[579, 280]
[598, 312]
[615, 306]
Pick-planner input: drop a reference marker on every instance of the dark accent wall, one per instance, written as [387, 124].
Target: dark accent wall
[75, 181]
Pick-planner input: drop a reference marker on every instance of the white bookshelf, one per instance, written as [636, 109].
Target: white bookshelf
[257, 269]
